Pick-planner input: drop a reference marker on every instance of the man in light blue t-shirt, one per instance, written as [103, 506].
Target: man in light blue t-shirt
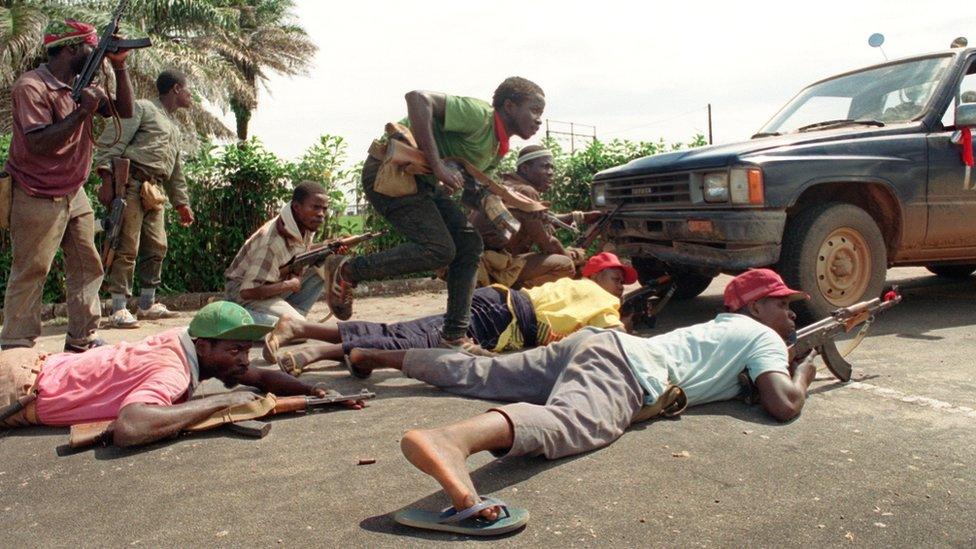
[583, 392]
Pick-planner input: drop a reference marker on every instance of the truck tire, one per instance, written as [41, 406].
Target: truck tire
[688, 285]
[835, 252]
[952, 271]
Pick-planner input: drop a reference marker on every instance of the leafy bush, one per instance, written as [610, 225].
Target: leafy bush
[236, 188]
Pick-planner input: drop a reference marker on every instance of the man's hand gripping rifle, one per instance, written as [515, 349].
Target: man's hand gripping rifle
[819, 336]
[108, 42]
[317, 255]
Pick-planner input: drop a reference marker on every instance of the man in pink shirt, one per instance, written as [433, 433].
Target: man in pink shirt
[146, 386]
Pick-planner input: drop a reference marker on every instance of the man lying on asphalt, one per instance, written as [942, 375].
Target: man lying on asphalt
[583, 392]
[502, 319]
[145, 386]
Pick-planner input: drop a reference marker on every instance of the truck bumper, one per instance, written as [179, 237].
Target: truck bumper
[723, 240]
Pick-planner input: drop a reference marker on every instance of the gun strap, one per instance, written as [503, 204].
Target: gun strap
[251, 410]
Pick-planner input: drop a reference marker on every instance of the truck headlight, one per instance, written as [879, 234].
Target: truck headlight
[600, 194]
[746, 186]
[716, 187]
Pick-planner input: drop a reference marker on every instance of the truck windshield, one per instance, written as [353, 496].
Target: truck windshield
[882, 95]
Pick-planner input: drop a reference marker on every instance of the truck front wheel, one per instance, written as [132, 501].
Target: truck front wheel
[688, 285]
[835, 253]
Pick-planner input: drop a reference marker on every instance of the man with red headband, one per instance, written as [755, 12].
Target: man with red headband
[435, 230]
[502, 319]
[583, 392]
[50, 158]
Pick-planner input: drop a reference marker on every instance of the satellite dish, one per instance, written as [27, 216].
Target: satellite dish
[875, 40]
[960, 42]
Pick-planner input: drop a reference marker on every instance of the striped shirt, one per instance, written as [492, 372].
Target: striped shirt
[264, 253]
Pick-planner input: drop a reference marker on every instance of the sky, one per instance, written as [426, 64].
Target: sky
[640, 70]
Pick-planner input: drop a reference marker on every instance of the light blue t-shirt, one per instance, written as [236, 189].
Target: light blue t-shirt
[705, 359]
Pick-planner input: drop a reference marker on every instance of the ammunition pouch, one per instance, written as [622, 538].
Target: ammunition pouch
[400, 162]
[152, 197]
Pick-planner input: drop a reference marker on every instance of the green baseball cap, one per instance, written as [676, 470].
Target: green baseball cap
[226, 320]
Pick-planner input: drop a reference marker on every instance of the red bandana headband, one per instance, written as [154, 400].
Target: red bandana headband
[69, 32]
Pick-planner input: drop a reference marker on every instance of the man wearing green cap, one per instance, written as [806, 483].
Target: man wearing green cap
[50, 158]
[145, 386]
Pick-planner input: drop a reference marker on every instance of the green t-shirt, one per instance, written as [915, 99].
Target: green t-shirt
[468, 132]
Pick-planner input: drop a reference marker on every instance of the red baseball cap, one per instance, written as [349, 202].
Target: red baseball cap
[756, 284]
[606, 260]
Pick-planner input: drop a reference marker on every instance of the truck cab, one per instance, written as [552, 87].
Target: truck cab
[857, 173]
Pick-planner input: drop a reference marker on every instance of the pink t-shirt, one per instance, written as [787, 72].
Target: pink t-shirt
[96, 384]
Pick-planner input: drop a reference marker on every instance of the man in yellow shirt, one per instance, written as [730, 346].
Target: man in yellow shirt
[502, 319]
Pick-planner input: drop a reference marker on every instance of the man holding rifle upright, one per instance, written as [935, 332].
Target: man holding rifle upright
[50, 159]
[147, 386]
[150, 140]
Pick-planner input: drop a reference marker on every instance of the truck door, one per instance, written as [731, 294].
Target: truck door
[951, 206]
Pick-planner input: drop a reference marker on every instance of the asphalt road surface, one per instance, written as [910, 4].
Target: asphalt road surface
[884, 460]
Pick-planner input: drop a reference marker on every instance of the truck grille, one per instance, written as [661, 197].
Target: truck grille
[663, 189]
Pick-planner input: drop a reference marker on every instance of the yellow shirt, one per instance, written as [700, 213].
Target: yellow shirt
[566, 305]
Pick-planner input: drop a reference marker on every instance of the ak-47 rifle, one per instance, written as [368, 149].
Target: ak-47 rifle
[113, 223]
[586, 239]
[643, 304]
[554, 220]
[107, 43]
[317, 255]
[820, 335]
[84, 435]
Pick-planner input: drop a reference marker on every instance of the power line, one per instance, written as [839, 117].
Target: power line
[656, 122]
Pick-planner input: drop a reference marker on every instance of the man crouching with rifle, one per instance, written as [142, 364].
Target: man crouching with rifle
[271, 276]
[146, 386]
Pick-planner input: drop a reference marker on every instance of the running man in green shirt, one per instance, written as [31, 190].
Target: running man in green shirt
[151, 141]
[438, 233]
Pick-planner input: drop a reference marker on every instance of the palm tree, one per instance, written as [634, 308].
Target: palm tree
[265, 39]
[174, 26]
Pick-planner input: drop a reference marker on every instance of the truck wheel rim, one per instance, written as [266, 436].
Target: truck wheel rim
[843, 267]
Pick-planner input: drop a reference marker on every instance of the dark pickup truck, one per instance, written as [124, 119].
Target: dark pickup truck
[857, 173]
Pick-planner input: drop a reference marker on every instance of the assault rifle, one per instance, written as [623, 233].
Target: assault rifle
[586, 239]
[317, 255]
[644, 304]
[820, 335]
[107, 43]
[113, 223]
[84, 435]
[553, 220]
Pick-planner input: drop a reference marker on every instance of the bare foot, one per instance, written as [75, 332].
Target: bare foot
[437, 454]
[279, 337]
[368, 360]
[294, 362]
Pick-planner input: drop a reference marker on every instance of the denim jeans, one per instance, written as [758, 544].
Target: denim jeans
[438, 234]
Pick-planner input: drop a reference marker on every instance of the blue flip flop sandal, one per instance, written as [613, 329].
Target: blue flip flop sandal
[465, 522]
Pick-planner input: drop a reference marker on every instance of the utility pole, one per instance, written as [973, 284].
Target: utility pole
[709, 123]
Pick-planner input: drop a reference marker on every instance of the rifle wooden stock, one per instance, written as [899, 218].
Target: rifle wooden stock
[84, 435]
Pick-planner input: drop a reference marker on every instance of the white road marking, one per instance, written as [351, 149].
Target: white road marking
[892, 394]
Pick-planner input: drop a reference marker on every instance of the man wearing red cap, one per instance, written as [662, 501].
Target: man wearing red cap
[502, 319]
[50, 158]
[583, 392]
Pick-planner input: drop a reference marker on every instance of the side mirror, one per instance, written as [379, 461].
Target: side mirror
[966, 115]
